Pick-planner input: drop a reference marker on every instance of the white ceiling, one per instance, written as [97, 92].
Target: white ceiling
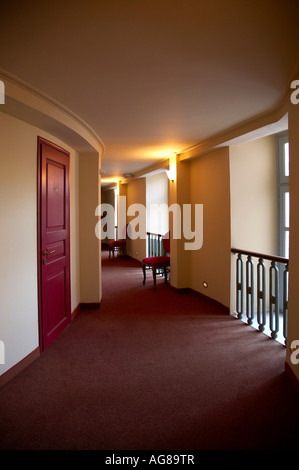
[153, 77]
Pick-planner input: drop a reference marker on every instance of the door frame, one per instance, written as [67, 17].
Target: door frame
[40, 141]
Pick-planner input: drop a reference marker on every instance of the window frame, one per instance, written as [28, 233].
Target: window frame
[282, 189]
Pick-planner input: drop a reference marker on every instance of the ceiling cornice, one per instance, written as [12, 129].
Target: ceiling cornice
[42, 110]
[251, 128]
[264, 122]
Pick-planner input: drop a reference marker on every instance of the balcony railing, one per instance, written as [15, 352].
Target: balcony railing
[155, 247]
[154, 244]
[262, 292]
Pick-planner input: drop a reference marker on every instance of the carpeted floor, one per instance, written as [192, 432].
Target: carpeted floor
[152, 371]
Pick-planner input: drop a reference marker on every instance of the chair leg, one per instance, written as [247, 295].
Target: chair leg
[154, 276]
[144, 275]
[165, 275]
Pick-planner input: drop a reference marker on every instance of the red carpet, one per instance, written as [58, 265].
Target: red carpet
[152, 370]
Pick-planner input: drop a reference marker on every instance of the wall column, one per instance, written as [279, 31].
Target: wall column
[90, 245]
[293, 304]
[179, 194]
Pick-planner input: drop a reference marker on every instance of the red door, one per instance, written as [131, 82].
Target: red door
[53, 241]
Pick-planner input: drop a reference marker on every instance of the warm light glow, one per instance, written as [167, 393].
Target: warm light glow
[110, 180]
[116, 191]
[155, 152]
[171, 173]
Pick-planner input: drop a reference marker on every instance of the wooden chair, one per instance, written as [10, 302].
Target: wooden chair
[119, 245]
[158, 263]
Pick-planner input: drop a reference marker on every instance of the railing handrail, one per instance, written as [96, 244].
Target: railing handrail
[154, 244]
[155, 234]
[266, 299]
[278, 259]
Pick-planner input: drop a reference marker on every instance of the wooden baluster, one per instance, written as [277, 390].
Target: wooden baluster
[261, 294]
[262, 286]
[285, 301]
[274, 300]
[249, 290]
[240, 286]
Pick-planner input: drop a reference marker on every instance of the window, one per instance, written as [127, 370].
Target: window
[157, 220]
[283, 202]
[157, 203]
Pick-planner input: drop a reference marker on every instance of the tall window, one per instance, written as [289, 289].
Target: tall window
[283, 205]
[157, 203]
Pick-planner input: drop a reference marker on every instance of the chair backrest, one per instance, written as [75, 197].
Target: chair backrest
[166, 243]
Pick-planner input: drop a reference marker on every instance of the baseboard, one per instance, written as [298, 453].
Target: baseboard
[19, 367]
[90, 306]
[85, 306]
[218, 304]
[75, 313]
[182, 290]
[136, 260]
[131, 258]
[290, 373]
[206, 298]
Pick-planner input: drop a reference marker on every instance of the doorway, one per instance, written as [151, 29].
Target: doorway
[53, 241]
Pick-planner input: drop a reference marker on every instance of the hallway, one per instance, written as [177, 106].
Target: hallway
[152, 371]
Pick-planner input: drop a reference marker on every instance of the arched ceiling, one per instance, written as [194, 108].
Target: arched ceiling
[154, 77]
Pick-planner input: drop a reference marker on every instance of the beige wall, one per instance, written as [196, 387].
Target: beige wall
[90, 244]
[210, 186]
[254, 196]
[157, 194]
[179, 194]
[136, 194]
[293, 305]
[18, 212]
[253, 182]
[107, 197]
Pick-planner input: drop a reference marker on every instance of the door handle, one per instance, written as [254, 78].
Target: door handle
[46, 252]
